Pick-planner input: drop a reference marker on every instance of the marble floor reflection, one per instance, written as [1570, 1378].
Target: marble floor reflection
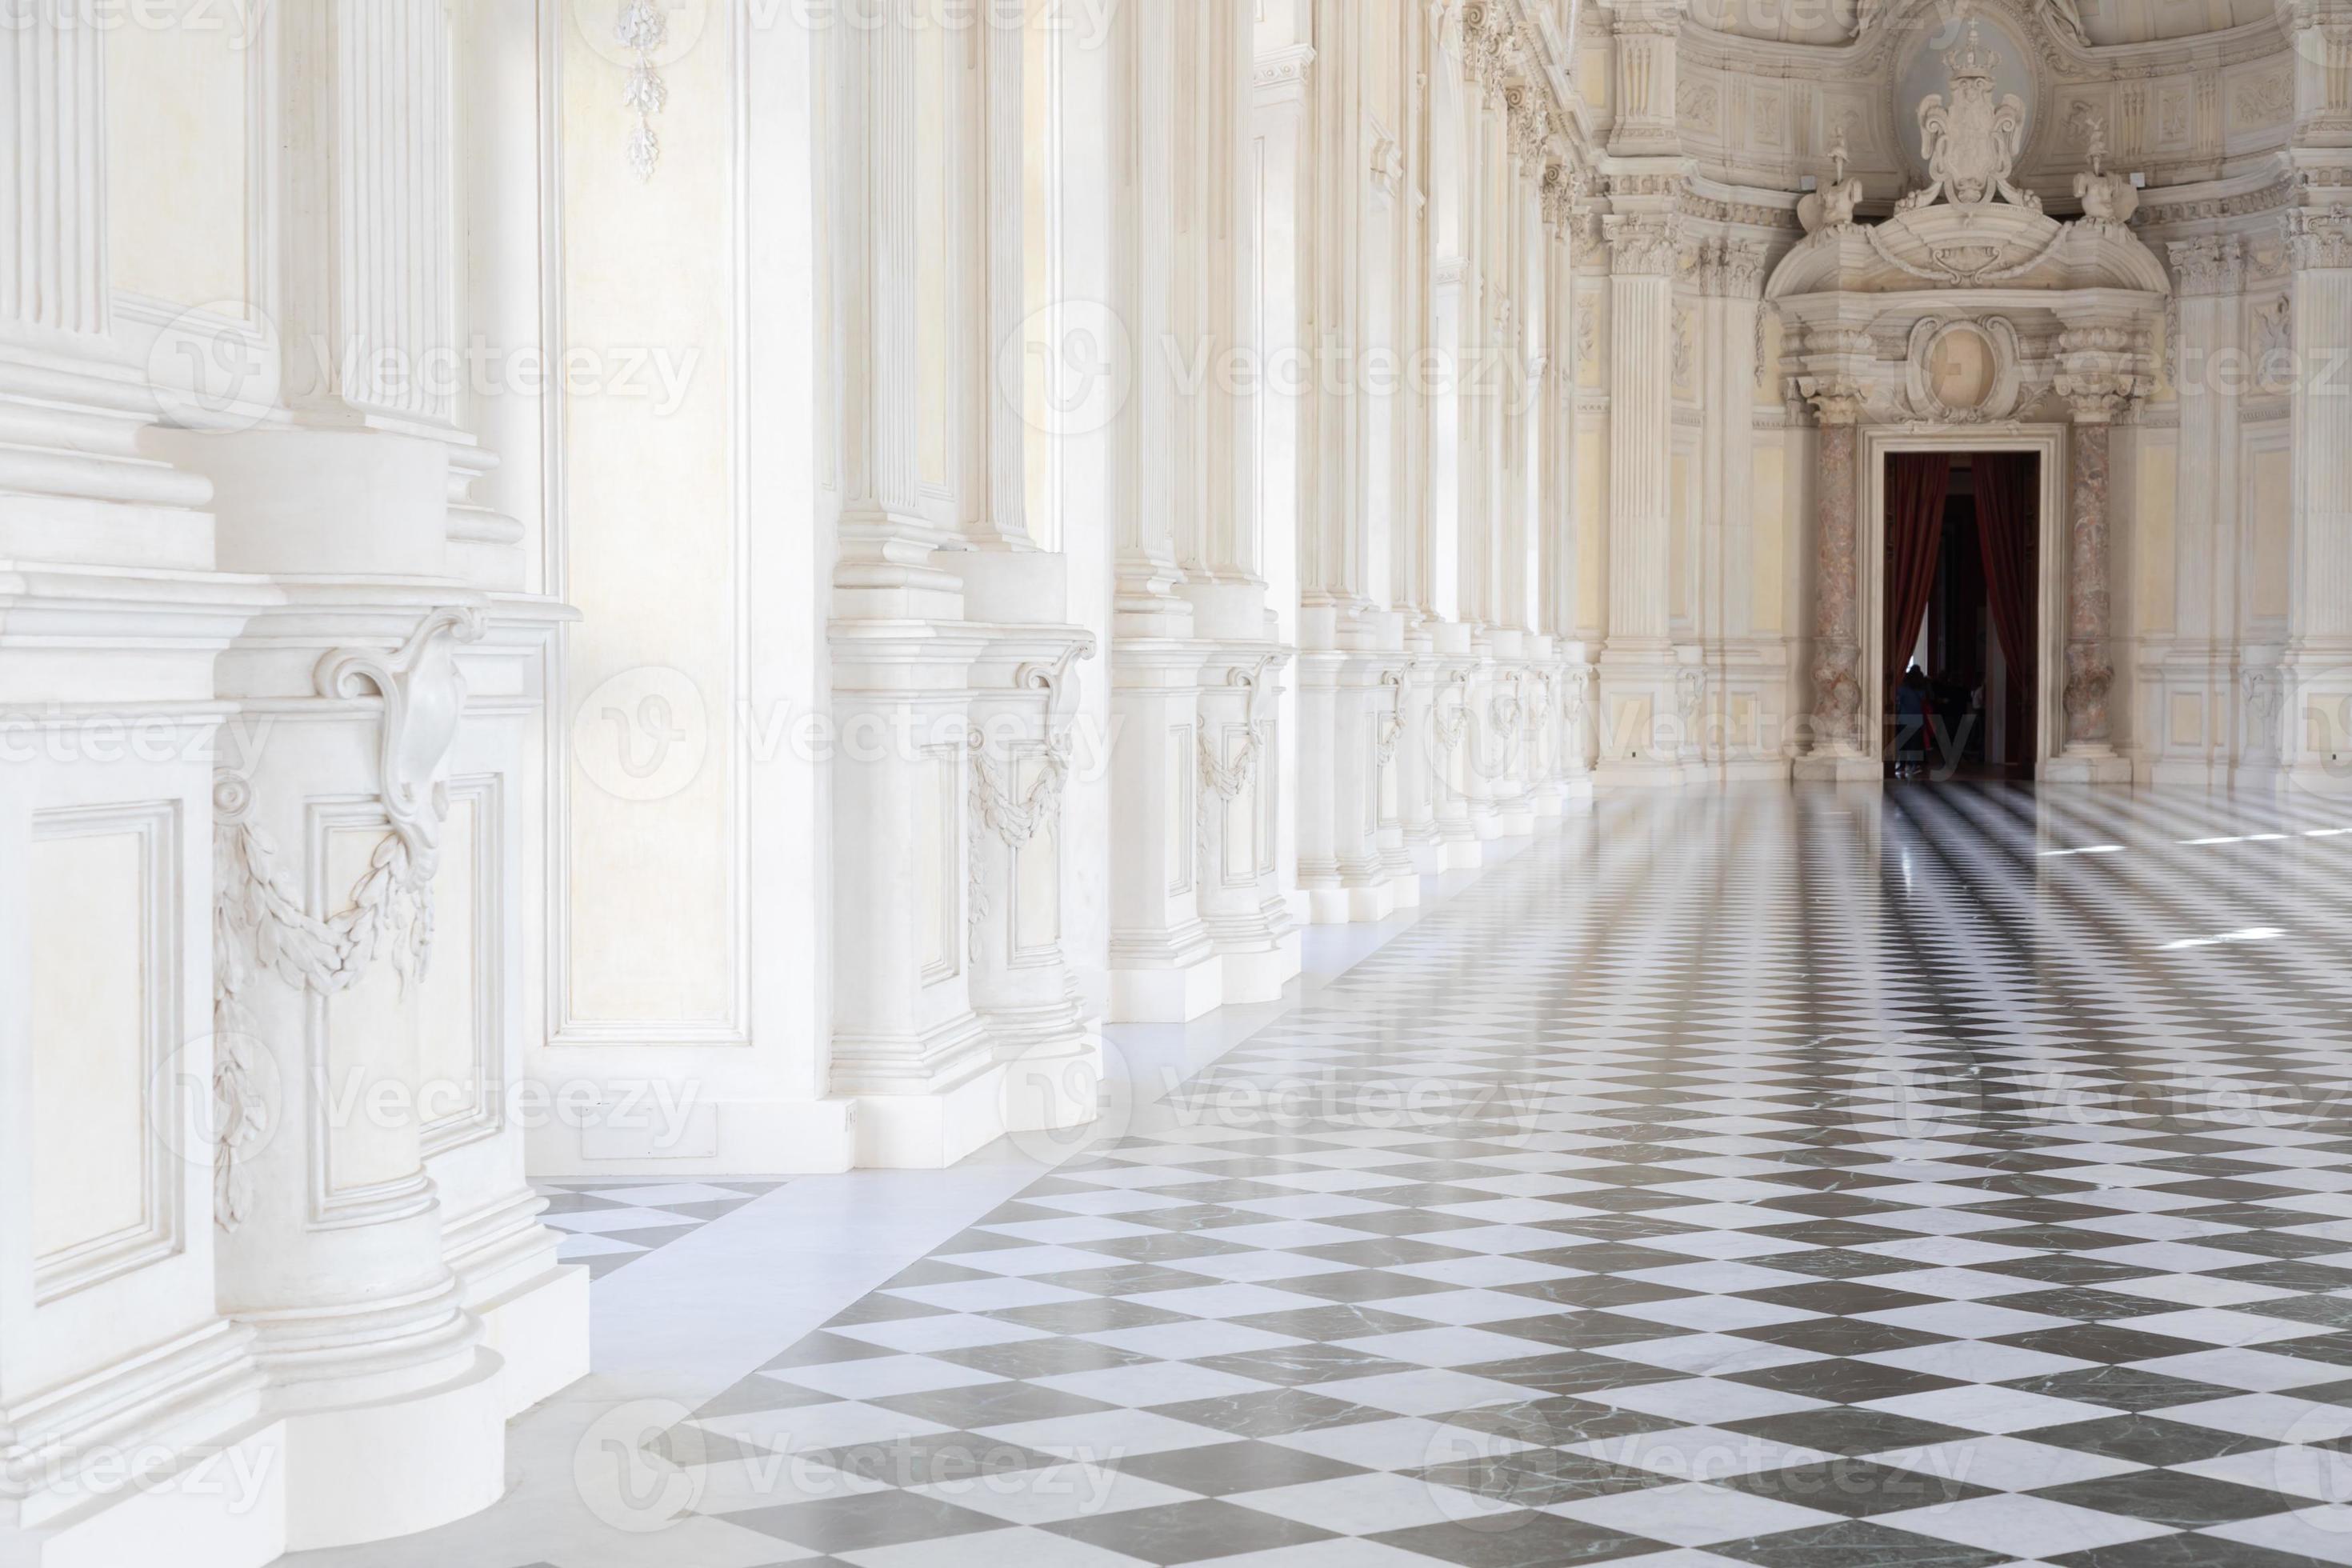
[1949, 1177]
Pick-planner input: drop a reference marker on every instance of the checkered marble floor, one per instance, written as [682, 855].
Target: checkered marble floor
[1775, 1178]
[615, 1220]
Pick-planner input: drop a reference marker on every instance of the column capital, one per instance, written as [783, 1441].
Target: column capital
[1643, 245]
[1531, 126]
[1837, 400]
[2213, 265]
[2318, 240]
[2100, 372]
[1732, 268]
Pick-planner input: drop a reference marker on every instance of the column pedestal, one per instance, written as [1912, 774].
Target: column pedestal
[1163, 962]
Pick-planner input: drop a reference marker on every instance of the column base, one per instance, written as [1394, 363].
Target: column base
[1259, 974]
[1175, 986]
[1464, 849]
[928, 1131]
[227, 1511]
[368, 1472]
[539, 1331]
[1775, 770]
[2086, 766]
[1053, 1084]
[1351, 903]
[2320, 778]
[1626, 774]
[1838, 767]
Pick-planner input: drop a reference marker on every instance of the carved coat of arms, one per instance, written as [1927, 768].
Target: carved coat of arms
[1970, 138]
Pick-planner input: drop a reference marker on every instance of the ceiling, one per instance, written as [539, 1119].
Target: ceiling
[2143, 21]
[1831, 21]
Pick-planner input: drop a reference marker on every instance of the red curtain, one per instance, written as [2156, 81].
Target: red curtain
[1916, 482]
[2009, 520]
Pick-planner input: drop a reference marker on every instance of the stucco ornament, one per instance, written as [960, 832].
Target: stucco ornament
[1971, 141]
[2065, 19]
[2105, 198]
[1833, 205]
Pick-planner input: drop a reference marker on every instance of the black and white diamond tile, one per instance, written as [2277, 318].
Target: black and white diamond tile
[615, 1220]
[1769, 1178]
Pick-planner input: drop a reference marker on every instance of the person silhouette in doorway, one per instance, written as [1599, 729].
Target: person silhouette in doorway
[1911, 706]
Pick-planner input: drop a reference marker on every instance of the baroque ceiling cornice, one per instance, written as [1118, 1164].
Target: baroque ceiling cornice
[2063, 58]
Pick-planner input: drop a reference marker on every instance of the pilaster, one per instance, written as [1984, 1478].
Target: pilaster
[1640, 739]
[2100, 381]
[2317, 743]
[1838, 750]
[2189, 690]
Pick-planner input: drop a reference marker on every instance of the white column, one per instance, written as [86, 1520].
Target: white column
[1639, 729]
[2317, 745]
[376, 1232]
[1163, 963]
[111, 1343]
[1229, 286]
[1744, 675]
[53, 201]
[905, 1042]
[2190, 695]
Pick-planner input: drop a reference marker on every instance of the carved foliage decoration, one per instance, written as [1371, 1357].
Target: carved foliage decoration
[1015, 820]
[1223, 780]
[643, 28]
[261, 925]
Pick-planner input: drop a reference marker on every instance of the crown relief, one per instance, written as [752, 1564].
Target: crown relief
[1971, 139]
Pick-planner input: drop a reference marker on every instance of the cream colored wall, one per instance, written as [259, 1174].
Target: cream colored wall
[2270, 503]
[177, 105]
[2155, 572]
[649, 927]
[1768, 515]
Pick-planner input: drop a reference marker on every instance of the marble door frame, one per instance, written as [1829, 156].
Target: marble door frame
[2050, 442]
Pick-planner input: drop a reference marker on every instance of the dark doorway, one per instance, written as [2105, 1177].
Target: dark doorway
[1960, 700]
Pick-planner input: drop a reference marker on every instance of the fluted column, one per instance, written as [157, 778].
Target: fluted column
[1743, 673]
[53, 174]
[2319, 741]
[369, 261]
[2192, 672]
[1640, 738]
[907, 1044]
[1164, 964]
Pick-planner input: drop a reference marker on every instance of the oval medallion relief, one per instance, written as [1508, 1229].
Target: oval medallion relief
[1962, 368]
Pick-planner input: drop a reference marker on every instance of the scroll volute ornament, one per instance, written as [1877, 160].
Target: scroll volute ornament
[424, 695]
